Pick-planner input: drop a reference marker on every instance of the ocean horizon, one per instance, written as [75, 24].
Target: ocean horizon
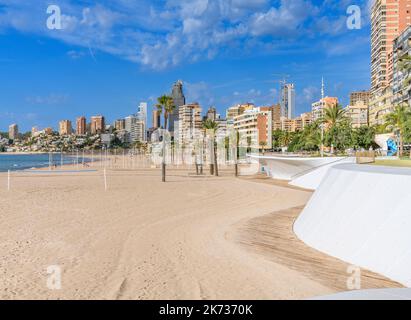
[17, 162]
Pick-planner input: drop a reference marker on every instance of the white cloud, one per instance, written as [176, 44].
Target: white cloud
[164, 34]
[51, 99]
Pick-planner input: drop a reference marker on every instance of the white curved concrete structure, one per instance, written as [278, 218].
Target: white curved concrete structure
[303, 172]
[313, 179]
[361, 214]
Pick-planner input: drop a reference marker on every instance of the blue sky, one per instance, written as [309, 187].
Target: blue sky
[110, 56]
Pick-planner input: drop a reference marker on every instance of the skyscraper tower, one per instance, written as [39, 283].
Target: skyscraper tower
[81, 126]
[179, 100]
[156, 119]
[142, 116]
[388, 19]
[288, 100]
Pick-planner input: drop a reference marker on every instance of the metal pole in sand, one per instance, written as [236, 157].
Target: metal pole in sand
[8, 180]
[105, 179]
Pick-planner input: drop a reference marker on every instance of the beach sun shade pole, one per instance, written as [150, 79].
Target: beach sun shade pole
[105, 179]
[163, 162]
[8, 180]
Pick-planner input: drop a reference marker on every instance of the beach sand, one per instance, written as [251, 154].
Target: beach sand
[190, 238]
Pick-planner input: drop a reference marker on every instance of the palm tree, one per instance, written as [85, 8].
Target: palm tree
[397, 122]
[211, 127]
[334, 115]
[165, 105]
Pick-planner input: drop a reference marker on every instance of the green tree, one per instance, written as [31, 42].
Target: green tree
[339, 136]
[405, 67]
[338, 132]
[309, 139]
[364, 137]
[211, 128]
[398, 121]
[277, 138]
[334, 116]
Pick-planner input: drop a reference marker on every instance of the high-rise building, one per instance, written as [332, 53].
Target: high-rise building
[135, 129]
[255, 127]
[48, 131]
[13, 131]
[360, 96]
[358, 114]
[294, 125]
[380, 106]
[142, 116]
[65, 128]
[189, 123]
[179, 100]
[401, 89]
[120, 124]
[81, 126]
[34, 131]
[211, 114]
[288, 100]
[276, 112]
[156, 119]
[237, 110]
[97, 125]
[319, 106]
[389, 18]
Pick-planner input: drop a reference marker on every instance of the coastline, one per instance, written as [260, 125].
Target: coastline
[42, 165]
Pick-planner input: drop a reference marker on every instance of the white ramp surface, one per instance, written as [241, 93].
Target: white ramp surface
[362, 215]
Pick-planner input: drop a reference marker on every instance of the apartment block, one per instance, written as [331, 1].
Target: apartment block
[81, 126]
[319, 106]
[255, 126]
[189, 123]
[13, 131]
[65, 128]
[360, 96]
[97, 125]
[402, 49]
[389, 18]
[358, 114]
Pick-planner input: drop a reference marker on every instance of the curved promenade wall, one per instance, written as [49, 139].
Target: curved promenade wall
[362, 215]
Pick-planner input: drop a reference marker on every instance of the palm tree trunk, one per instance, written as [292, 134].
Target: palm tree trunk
[401, 145]
[215, 159]
[163, 163]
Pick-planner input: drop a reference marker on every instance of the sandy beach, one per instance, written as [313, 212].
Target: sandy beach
[190, 238]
